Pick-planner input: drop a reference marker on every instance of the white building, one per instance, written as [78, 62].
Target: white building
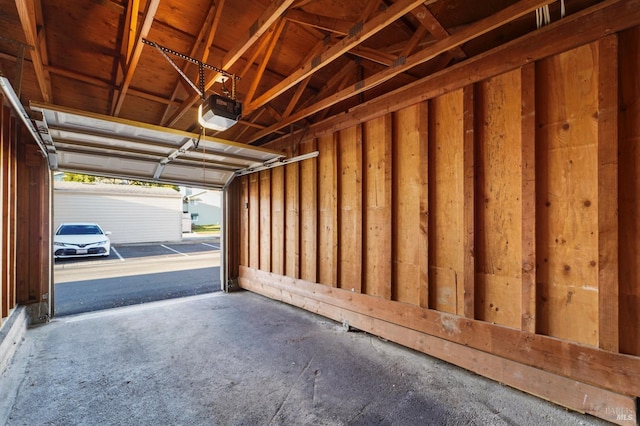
[133, 214]
[203, 206]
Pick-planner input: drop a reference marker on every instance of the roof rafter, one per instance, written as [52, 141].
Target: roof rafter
[275, 36]
[428, 21]
[477, 29]
[205, 36]
[324, 23]
[29, 11]
[366, 30]
[275, 10]
[132, 62]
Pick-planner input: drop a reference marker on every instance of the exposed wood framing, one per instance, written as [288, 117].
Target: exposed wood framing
[369, 29]
[528, 199]
[29, 10]
[204, 39]
[608, 243]
[577, 395]
[475, 30]
[275, 10]
[587, 364]
[130, 63]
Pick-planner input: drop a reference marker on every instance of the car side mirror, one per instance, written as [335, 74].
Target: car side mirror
[107, 232]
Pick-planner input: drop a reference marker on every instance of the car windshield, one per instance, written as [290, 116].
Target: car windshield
[79, 230]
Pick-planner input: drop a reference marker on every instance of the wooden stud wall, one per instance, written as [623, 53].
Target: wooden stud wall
[8, 205]
[498, 216]
[629, 190]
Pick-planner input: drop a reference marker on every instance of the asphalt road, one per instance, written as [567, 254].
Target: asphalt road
[136, 274]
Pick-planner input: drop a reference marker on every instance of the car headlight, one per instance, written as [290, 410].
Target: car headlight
[101, 243]
[57, 243]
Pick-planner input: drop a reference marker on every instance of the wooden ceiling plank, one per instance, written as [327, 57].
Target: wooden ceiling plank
[275, 10]
[132, 62]
[27, 10]
[477, 29]
[205, 36]
[370, 28]
[280, 26]
[431, 23]
[325, 23]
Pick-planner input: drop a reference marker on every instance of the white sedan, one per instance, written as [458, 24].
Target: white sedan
[80, 239]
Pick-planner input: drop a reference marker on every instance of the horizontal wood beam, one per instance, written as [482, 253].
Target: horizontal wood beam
[616, 372]
[561, 390]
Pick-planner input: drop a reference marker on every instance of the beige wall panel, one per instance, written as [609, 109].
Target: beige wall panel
[409, 182]
[350, 196]
[327, 211]
[630, 192]
[446, 201]
[498, 243]
[292, 220]
[567, 211]
[308, 214]
[264, 178]
[377, 207]
[277, 221]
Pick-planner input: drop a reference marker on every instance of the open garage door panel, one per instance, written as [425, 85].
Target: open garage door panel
[106, 146]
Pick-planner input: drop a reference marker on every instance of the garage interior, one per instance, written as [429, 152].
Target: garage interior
[461, 178]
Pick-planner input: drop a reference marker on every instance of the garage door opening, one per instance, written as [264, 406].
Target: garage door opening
[124, 243]
[111, 147]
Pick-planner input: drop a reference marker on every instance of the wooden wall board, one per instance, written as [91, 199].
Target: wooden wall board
[328, 210]
[292, 220]
[528, 198]
[568, 392]
[32, 248]
[629, 191]
[254, 220]
[499, 207]
[264, 178]
[585, 363]
[377, 207]
[607, 171]
[350, 208]
[309, 214]
[466, 291]
[244, 219]
[567, 202]
[446, 203]
[409, 210]
[4, 209]
[278, 252]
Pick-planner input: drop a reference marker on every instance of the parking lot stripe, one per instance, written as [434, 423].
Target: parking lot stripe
[175, 251]
[211, 245]
[117, 254]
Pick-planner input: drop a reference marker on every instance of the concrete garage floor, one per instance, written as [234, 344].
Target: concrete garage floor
[241, 359]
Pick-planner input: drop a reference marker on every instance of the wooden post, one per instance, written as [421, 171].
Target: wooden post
[608, 193]
[528, 179]
[468, 243]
